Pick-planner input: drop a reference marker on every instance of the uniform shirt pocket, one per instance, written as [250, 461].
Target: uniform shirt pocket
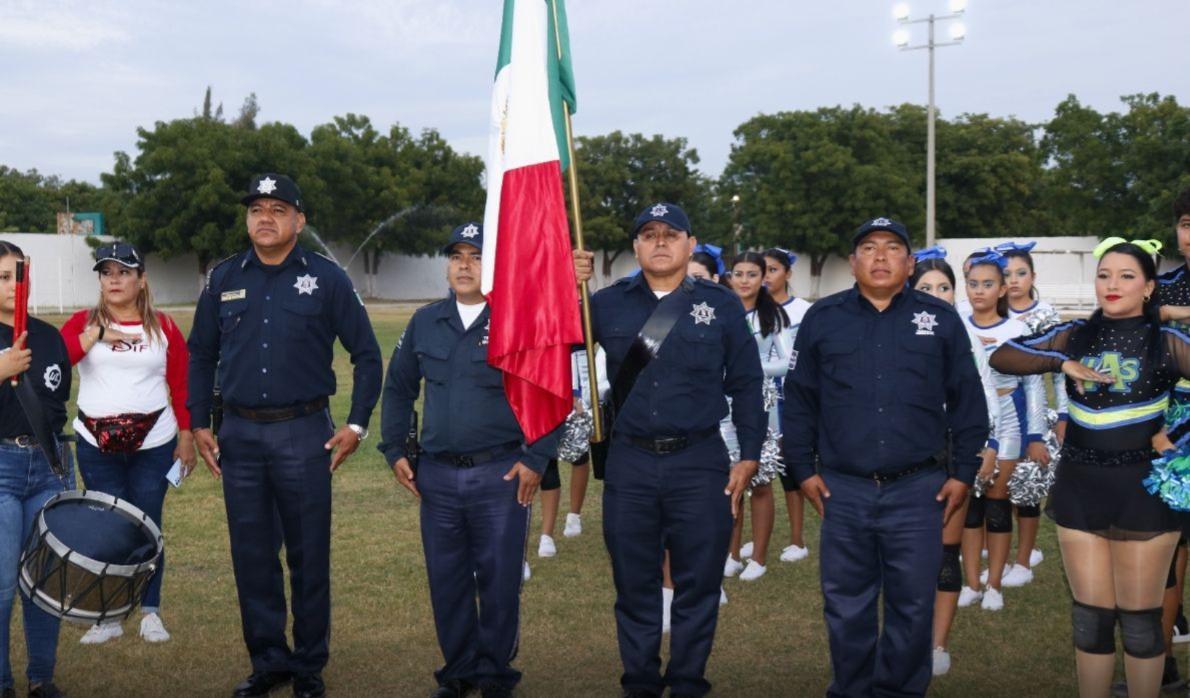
[485, 375]
[231, 314]
[301, 317]
[434, 363]
[699, 349]
[840, 365]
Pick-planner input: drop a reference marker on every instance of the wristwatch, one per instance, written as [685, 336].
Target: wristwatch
[360, 432]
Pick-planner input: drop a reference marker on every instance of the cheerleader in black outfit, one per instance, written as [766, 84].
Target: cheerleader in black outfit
[1116, 539]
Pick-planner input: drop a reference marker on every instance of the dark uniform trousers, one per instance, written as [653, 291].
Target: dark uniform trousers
[652, 503]
[279, 472]
[474, 533]
[881, 537]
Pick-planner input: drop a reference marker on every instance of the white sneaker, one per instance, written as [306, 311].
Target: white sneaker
[574, 525]
[546, 547]
[1017, 576]
[993, 600]
[983, 576]
[753, 571]
[732, 567]
[152, 629]
[983, 554]
[1180, 637]
[941, 661]
[527, 572]
[968, 596]
[722, 596]
[99, 634]
[1036, 557]
[667, 599]
[793, 553]
[746, 551]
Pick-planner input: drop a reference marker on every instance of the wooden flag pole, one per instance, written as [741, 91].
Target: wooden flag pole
[584, 292]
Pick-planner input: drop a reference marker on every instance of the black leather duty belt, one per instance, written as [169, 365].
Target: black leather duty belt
[470, 460]
[885, 478]
[665, 445]
[278, 414]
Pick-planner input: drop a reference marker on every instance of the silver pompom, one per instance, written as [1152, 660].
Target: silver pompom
[1041, 319]
[576, 436]
[1031, 481]
[771, 463]
[981, 485]
[769, 392]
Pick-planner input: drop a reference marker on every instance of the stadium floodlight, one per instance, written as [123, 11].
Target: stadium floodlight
[901, 11]
[958, 6]
[901, 38]
[957, 31]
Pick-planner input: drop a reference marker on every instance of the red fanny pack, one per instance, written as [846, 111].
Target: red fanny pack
[121, 433]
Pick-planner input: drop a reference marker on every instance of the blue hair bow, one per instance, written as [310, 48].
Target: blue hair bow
[788, 255]
[1010, 246]
[988, 255]
[935, 252]
[716, 254]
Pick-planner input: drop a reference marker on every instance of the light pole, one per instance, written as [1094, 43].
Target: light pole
[735, 223]
[957, 33]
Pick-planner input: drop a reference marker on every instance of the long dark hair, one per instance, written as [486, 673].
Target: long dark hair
[781, 257]
[707, 261]
[772, 316]
[1081, 338]
[1002, 301]
[926, 266]
[7, 249]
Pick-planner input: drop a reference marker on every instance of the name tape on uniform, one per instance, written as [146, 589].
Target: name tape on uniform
[234, 295]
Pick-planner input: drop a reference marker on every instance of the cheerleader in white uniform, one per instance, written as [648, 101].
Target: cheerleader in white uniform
[1021, 400]
[1025, 304]
[933, 275]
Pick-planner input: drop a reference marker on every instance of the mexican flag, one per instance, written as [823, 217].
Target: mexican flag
[528, 270]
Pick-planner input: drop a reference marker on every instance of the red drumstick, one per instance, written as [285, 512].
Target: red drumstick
[20, 317]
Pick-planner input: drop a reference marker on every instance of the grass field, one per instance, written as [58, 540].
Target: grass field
[771, 639]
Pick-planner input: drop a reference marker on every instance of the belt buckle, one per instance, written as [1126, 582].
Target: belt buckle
[464, 462]
[24, 441]
[670, 445]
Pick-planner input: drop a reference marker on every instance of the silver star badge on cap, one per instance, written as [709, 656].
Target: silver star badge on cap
[881, 221]
[659, 210]
[268, 185]
[470, 231]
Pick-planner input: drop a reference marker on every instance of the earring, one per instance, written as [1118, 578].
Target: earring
[1147, 298]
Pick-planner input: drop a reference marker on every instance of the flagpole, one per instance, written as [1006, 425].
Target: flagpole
[584, 292]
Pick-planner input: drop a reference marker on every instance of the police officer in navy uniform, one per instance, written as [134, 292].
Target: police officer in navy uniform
[267, 321]
[881, 374]
[668, 482]
[475, 480]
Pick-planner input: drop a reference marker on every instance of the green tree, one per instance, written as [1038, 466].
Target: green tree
[30, 201]
[619, 174]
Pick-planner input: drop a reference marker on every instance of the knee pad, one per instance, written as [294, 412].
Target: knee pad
[950, 577]
[1028, 512]
[1094, 628]
[999, 516]
[975, 512]
[1141, 633]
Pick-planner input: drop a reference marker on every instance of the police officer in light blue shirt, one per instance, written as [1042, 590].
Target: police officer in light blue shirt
[267, 322]
[475, 480]
[676, 349]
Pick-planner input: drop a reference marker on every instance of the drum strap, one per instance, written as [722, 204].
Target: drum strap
[647, 344]
[40, 424]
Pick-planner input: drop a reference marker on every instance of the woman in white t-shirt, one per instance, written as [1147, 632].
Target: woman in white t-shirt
[132, 419]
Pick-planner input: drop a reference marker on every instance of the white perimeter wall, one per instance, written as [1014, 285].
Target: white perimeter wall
[62, 275]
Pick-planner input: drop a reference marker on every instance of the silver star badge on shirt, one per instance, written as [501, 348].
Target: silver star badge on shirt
[268, 185]
[306, 284]
[926, 322]
[702, 313]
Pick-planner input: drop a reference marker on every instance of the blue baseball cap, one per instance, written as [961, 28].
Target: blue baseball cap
[470, 233]
[670, 214]
[888, 225]
[271, 185]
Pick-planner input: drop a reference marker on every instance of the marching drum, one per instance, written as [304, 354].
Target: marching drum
[89, 557]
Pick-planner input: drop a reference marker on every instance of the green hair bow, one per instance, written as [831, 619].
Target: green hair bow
[1151, 246]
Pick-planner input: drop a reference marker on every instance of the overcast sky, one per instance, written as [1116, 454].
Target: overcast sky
[78, 77]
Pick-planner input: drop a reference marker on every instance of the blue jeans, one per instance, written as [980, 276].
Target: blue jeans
[139, 479]
[26, 483]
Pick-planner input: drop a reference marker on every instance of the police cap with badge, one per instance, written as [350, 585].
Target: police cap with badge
[670, 214]
[469, 233]
[271, 185]
[874, 225]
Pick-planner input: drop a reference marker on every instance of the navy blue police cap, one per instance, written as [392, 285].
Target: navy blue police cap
[470, 233]
[877, 224]
[271, 185]
[670, 214]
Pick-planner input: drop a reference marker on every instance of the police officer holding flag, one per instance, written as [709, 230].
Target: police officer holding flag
[881, 374]
[267, 322]
[475, 480]
[676, 349]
